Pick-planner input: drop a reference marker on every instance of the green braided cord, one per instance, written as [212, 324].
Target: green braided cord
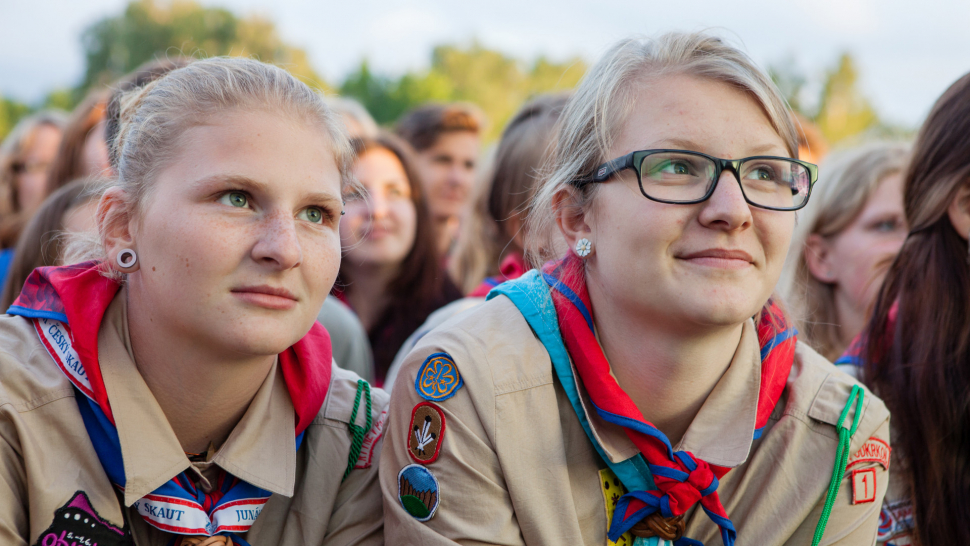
[358, 431]
[841, 458]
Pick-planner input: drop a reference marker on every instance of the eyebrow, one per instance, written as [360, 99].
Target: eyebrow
[255, 186]
[687, 144]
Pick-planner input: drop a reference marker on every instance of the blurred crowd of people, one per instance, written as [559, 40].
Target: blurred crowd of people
[436, 218]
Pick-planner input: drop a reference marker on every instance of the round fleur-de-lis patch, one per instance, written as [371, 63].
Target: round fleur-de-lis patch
[438, 379]
[427, 430]
[417, 489]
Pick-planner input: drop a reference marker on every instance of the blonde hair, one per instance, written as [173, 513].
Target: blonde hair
[849, 179]
[604, 98]
[153, 118]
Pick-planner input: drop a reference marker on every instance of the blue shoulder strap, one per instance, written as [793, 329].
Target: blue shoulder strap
[531, 296]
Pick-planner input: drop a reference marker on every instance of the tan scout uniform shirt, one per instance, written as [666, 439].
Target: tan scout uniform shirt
[46, 456]
[516, 466]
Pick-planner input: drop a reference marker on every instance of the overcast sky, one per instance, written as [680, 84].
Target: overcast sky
[908, 51]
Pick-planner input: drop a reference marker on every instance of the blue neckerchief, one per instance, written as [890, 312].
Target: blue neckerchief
[531, 296]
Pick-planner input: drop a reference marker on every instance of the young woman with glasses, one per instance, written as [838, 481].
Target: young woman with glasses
[645, 387]
[175, 389]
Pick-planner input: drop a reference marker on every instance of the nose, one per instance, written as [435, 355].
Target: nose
[726, 209]
[278, 244]
[376, 205]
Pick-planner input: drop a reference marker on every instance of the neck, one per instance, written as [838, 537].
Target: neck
[202, 391]
[851, 321]
[447, 229]
[367, 291]
[668, 372]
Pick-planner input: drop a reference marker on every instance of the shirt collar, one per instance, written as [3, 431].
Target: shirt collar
[723, 429]
[260, 450]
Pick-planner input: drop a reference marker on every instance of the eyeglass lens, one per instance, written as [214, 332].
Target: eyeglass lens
[681, 177]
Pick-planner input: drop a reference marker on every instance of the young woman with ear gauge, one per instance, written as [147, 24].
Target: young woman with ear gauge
[644, 388]
[175, 389]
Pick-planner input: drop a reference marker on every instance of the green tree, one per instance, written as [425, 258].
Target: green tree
[11, 111]
[496, 83]
[148, 29]
[843, 111]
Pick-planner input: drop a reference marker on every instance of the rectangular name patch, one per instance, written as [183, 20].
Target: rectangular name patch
[863, 485]
[873, 451]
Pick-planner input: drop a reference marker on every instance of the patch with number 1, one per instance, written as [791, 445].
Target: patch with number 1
[863, 485]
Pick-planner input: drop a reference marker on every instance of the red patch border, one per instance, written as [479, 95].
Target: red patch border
[441, 435]
[883, 461]
[855, 493]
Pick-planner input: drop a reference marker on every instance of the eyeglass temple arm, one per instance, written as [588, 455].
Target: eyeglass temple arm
[608, 169]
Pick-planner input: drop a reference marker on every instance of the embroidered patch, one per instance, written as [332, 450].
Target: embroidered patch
[438, 379]
[895, 522]
[612, 491]
[418, 491]
[863, 485]
[427, 429]
[76, 523]
[873, 451]
[366, 457]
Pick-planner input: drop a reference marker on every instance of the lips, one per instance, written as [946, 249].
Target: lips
[720, 257]
[266, 296]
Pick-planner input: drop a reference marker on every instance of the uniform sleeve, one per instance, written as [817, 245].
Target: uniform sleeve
[455, 494]
[855, 518]
[357, 517]
[14, 524]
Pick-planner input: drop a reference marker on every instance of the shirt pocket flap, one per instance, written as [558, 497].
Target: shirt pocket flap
[831, 398]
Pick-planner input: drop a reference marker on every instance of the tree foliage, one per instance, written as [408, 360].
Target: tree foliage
[843, 111]
[498, 84]
[148, 29]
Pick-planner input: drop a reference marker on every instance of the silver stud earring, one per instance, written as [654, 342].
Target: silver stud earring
[127, 258]
[583, 247]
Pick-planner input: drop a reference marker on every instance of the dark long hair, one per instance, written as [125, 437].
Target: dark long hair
[919, 363]
[421, 285]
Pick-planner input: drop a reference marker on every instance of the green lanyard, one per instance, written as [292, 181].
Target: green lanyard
[841, 458]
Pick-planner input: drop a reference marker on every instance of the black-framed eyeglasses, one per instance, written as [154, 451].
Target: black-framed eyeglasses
[682, 177]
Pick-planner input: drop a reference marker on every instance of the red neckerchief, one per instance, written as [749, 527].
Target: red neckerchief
[78, 295]
[682, 479]
[512, 267]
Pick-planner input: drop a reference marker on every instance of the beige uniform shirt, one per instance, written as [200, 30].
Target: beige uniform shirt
[46, 456]
[516, 467]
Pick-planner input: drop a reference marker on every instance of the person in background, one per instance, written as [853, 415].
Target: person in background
[351, 348]
[26, 156]
[188, 396]
[68, 211]
[915, 351]
[84, 149]
[644, 385]
[358, 120]
[493, 235]
[447, 139]
[846, 238]
[390, 275]
[489, 248]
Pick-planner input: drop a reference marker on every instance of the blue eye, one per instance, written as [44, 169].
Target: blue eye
[311, 214]
[235, 199]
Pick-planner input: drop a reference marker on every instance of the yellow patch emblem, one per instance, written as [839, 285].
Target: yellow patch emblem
[612, 491]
